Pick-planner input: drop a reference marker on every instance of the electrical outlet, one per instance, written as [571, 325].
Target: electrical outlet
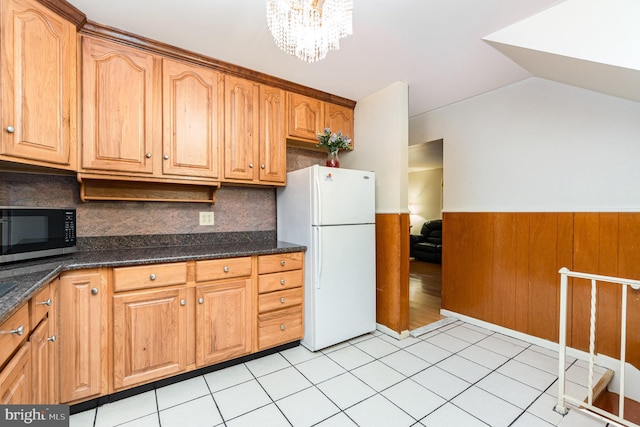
[206, 218]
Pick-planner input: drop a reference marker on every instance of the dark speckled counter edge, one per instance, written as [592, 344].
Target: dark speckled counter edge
[30, 276]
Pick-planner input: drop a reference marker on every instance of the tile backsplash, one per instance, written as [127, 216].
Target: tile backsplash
[236, 208]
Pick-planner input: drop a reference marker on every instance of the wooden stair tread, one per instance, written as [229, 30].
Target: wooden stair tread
[608, 401]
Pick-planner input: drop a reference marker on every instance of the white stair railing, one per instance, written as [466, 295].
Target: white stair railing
[563, 397]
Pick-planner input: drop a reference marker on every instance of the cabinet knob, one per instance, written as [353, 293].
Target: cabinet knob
[47, 302]
[17, 331]
[251, 165]
[94, 291]
[148, 155]
[10, 129]
[52, 338]
[183, 302]
[200, 300]
[166, 157]
[282, 300]
[282, 327]
[152, 277]
[225, 269]
[282, 263]
[261, 166]
[282, 281]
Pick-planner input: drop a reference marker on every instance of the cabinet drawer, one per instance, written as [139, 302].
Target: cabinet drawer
[217, 269]
[39, 306]
[279, 262]
[149, 276]
[10, 341]
[280, 299]
[279, 327]
[278, 281]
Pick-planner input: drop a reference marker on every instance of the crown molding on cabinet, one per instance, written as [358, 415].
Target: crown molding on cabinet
[123, 37]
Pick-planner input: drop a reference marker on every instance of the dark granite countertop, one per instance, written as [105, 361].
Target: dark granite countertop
[30, 276]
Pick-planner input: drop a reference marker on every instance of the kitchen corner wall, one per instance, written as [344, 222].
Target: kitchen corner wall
[236, 208]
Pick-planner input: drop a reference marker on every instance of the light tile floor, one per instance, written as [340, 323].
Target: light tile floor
[457, 375]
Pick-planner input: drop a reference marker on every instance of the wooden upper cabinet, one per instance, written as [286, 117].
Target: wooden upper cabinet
[192, 111]
[241, 128]
[273, 143]
[305, 117]
[339, 119]
[38, 63]
[118, 114]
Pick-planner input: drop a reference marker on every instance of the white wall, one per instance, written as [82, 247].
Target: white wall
[425, 197]
[381, 131]
[537, 145]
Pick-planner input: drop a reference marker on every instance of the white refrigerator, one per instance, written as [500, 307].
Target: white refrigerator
[332, 212]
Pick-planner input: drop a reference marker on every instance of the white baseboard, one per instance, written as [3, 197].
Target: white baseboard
[387, 331]
[632, 381]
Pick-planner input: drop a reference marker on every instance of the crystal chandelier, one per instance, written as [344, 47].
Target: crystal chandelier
[308, 29]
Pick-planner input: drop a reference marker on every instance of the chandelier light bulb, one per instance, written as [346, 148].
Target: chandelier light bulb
[308, 29]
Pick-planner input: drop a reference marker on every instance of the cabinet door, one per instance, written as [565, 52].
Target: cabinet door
[52, 342]
[273, 144]
[192, 111]
[83, 337]
[149, 335]
[117, 107]
[38, 62]
[339, 119]
[241, 128]
[40, 364]
[223, 321]
[305, 117]
[15, 378]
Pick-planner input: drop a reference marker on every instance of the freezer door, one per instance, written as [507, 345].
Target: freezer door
[343, 196]
[344, 285]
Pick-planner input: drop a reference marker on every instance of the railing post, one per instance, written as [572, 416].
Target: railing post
[562, 341]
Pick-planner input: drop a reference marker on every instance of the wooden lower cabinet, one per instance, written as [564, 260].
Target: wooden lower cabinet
[116, 331]
[40, 364]
[83, 335]
[149, 335]
[223, 321]
[15, 378]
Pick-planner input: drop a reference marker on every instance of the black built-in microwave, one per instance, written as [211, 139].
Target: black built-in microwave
[31, 232]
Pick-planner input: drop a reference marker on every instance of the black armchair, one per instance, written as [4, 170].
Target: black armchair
[427, 246]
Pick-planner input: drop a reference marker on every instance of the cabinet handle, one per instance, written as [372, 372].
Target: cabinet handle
[148, 155]
[251, 165]
[282, 300]
[47, 302]
[200, 300]
[183, 302]
[225, 269]
[261, 166]
[282, 327]
[52, 338]
[282, 263]
[282, 281]
[10, 129]
[94, 291]
[17, 331]
[166, 157]
[152, 277]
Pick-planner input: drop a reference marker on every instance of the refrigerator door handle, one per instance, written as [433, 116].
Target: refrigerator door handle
[318, 205]
[317, 256]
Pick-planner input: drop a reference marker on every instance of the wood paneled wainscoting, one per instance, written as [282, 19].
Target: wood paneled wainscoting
[392, 271]
[502, 268]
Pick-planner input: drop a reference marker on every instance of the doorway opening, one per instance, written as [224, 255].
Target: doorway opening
[425, 188]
